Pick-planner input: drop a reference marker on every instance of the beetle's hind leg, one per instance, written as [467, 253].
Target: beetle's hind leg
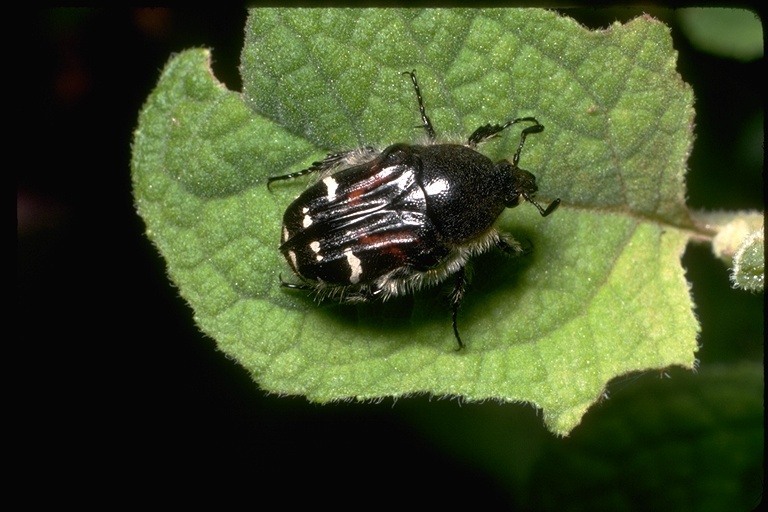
[296, 286]
[456, 296]
[330, 163]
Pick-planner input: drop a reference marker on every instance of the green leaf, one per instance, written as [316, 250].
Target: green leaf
[602, 294]
[749, 262]
[733, 33]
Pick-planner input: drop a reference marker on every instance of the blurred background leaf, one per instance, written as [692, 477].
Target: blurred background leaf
[731, 33]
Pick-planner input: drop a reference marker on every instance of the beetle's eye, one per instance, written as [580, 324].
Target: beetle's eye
[514, 201]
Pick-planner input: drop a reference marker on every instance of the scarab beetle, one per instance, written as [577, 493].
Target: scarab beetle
[383, 223]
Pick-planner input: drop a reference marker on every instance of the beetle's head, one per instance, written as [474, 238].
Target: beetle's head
[523, 187]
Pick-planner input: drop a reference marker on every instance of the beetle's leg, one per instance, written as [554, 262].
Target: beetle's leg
[512, 247]
[315, 167]
[364, 294]
[424, 119]
[329, 163]
[455, 298]
[341, 294]
[295, 286]
[487, 132]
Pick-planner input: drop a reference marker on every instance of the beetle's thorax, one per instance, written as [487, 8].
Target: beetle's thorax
[464, 190]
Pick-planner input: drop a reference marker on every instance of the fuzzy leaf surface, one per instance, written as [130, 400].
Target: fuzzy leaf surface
[603, 292]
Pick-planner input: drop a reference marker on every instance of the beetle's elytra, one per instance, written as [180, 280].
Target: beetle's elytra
[383, 223]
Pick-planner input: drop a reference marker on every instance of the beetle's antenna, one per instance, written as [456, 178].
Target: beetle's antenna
[552, 206]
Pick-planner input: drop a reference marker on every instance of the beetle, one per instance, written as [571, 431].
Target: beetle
[383, 223]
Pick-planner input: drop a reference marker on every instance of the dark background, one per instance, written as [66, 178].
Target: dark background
[119, 391]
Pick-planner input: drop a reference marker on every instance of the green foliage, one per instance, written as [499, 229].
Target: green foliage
[733, 33]
[691, 442]
[749, 262]
[602, 295]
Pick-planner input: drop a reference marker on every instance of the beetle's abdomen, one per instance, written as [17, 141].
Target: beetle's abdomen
[356, 225]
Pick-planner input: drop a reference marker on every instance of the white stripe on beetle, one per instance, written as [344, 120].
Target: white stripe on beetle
[355, 266]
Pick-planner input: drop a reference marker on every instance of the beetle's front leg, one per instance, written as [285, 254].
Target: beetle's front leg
[489, 131]
[512, 247]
